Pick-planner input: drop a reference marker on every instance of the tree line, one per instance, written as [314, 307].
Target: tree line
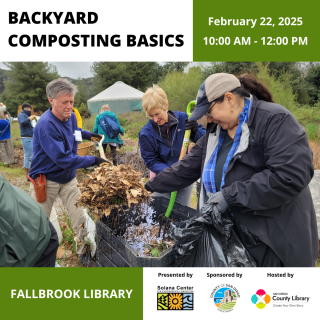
[26, 81]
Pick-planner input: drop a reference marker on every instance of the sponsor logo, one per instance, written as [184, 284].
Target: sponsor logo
[175, 298]
[175, 301]
[225, 297]
[260, 299]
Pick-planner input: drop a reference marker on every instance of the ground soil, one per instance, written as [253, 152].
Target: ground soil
[18, 156]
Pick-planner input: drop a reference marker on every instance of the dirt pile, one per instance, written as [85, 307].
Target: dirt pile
[18, 156]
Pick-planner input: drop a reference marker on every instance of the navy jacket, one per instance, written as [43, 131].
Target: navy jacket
[4, 129]
[26, 127]
[157, 155]
[55, 149]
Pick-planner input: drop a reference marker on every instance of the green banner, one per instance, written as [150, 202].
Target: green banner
[72, 293]
[256, 31]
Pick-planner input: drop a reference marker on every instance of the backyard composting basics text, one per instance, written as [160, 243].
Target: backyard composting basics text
[81, 40]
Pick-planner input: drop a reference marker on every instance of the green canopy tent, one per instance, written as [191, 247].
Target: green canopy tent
[120, 97]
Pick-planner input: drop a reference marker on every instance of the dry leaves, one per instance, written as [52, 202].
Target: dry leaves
[110, 187]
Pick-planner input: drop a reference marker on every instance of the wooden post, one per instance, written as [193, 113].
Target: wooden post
[6, 151]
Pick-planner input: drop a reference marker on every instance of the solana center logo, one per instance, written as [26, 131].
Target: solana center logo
[260, 299]
[175, 301]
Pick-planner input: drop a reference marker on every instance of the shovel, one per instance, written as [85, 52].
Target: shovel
[164, 219]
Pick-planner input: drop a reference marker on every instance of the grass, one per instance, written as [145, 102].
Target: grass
[307, 116]
[15, 134]
[132, 122]
[68, 234]
[11, 173]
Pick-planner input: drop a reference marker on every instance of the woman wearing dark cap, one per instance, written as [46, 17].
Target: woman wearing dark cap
[255, 164]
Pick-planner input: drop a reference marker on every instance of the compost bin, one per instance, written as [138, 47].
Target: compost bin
[113, 251]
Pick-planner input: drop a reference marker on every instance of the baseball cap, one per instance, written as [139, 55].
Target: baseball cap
[212, 88]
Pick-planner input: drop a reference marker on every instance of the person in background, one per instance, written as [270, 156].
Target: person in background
[55, 161]
[255, 165]
[7, 152]
[4, 127]
[6, 115]
[26, 130]
[78, 116]
[28, 239]
[113, 143]
[161, 139]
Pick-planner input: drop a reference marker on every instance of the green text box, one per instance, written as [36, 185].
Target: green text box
[73, 279]
[275, 36]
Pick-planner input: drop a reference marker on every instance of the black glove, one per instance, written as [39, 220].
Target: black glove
[191, 125]
[96, 137]
[219, 200]
[147, 187]
[98, 161]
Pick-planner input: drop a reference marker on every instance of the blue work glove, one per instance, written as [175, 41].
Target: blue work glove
[219, 200]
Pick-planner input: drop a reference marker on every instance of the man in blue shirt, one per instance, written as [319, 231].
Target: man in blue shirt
[26, 130]
[55, 145]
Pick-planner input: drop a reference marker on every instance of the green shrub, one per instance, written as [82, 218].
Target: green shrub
[88, 123]
[280, 88]
[122, 120]
[181, 88]
[83, 110]
[308, 117]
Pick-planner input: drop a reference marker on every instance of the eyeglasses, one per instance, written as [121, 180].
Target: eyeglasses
[157, 115]
[208, 113]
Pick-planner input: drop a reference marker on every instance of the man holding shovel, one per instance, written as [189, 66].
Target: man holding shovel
[55, 160]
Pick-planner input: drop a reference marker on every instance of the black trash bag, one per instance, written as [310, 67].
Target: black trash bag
[208, 241]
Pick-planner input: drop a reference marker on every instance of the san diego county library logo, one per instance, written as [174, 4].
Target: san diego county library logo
[260, 299]
[175, 298]
[225, 297]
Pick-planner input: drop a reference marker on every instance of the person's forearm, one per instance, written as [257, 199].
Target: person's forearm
[86, 134]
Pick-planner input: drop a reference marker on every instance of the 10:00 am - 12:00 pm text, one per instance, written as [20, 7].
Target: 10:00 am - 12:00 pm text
[245, 41]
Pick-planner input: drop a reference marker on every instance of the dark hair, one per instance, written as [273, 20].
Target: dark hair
[250, 85]
[5, 112]
[26, 105]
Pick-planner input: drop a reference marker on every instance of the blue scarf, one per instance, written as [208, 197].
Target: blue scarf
[208, 172]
